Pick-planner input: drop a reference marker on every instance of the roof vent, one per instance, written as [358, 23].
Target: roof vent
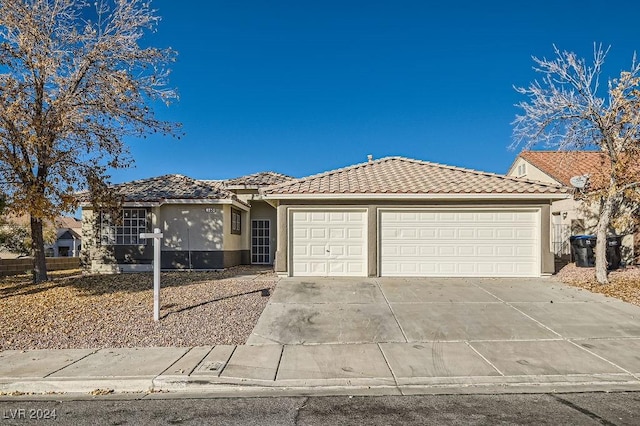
[370, 158]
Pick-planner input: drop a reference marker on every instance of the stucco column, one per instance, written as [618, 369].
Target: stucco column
[372, 241]
[280, 260]
[546, 255]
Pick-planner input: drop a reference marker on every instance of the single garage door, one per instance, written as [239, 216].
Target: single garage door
[460, 243]
[328, 243]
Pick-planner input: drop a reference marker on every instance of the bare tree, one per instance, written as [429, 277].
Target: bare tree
[569, 109]
[74, 81]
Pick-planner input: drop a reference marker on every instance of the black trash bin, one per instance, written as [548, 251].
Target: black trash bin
[582, 247]
[614, 251]
[583, 250]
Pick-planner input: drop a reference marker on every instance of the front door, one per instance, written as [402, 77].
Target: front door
[261, 242]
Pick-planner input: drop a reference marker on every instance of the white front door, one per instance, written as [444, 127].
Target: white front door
[460, 243]
[328, 242]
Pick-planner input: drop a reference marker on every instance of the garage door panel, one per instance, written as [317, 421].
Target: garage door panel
[525, 251]
[467, 251]
[315, 217]
[483, 234]
[336, 250]
[317, 268]
[337, 233]
[427, 251]
[459, 243]
[318, 234]
[301, 233]
[466, 234]
[357, 233]
[355, 250]
[525, 234]
[427, 233]
[507, 234]
[446, 234]
[328, 243]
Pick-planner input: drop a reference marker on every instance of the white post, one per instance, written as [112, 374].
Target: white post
[156, 235]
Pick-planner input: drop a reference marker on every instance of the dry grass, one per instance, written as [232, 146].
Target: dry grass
[197, 308]
[624, 283]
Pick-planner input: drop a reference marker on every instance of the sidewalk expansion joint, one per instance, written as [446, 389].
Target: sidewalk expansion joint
[393, 374]
[484, 358]
[635, 376]
[68, 365]
[395, 318]
[275, 376]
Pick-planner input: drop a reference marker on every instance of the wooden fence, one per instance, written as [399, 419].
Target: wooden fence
[25, 264]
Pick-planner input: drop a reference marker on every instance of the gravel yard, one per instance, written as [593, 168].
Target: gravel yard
[624, 284]
[197, 309]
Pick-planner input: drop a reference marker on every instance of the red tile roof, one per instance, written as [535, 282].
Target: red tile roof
[563, 165]
[398, 175]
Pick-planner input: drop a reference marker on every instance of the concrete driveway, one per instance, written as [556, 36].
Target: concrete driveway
[459, 327]
[377, 310]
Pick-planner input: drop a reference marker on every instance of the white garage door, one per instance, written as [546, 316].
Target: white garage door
[460, 243]
[328, 243]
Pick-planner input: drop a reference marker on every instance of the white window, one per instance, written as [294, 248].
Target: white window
[522, 169]
[126, 230]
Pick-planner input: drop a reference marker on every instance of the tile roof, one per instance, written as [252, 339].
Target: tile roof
[258, 180]
[172, 187]
[563, 165]
[68, 222]
[69, 234]
[60, 222]
[398, 175]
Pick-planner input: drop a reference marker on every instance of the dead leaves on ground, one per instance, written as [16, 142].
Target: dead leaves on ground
[624, 284]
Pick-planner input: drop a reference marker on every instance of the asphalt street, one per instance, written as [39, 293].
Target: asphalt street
[188, 409]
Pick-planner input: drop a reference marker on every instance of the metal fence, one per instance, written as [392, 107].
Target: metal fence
[560, 240]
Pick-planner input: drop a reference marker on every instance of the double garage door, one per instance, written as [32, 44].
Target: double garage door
[427, 242]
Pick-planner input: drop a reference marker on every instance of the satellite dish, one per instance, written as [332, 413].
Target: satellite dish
[579, 181]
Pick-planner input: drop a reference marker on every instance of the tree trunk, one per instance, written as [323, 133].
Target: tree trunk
[601, 244]
[37, 246]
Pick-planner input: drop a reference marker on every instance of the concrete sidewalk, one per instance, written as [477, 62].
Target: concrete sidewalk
[377, 336]
[558, 365]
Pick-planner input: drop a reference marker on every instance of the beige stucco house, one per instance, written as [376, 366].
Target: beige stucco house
[205, 224]
[401, 217]
[389, 217]
[570, 216]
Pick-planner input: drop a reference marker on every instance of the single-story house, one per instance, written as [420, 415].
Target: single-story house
[205, 224]
[389, 217]
[62, 235]
[572, 216]
[68, 241]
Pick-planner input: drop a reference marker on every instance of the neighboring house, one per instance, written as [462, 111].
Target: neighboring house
[402, 217]
[390, 217]
[570, 216]
[68, 238]
[205, 224]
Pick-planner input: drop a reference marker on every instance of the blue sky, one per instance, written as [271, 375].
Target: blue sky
[302, 87]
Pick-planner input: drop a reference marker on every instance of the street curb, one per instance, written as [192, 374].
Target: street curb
[161, 386]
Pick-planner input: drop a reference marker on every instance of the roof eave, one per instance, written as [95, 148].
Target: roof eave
[200, 201]
[228, 187]
[393, 196]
